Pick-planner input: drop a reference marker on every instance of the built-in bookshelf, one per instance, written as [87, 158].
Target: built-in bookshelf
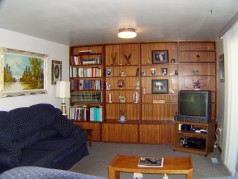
[86, 83]
[109, 80]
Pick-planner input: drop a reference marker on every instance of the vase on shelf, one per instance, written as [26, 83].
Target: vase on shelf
[122, 116]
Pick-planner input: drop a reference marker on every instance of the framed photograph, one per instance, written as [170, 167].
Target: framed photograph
[56, 71]
[164, 71]
[22, 72]
[160, 56]
[221, 68]
[108, 72]
[160, 86]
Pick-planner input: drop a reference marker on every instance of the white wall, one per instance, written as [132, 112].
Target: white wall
[14, 40]
[220, 94]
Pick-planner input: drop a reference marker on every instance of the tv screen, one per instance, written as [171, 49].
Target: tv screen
[195, 106]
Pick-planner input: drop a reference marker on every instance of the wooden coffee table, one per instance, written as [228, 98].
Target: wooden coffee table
[172, 165]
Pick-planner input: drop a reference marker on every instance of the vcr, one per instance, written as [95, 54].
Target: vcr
[193, 142]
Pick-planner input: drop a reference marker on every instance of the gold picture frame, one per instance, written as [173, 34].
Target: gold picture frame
[22, 72]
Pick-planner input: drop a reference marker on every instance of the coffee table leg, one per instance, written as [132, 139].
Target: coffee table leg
[113, 174]
[190, 174]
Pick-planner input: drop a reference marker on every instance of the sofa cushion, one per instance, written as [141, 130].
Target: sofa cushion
[33, 119]
[64, 126]
[38, 136]
[53, 149]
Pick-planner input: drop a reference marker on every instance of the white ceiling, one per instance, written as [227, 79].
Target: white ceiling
[77, 22]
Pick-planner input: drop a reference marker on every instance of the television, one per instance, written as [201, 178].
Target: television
[194, 106]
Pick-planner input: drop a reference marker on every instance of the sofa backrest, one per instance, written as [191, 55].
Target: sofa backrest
[30, 120]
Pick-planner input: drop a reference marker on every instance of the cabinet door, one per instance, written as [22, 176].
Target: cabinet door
[157, 133]
[96, 129]
[120, 133]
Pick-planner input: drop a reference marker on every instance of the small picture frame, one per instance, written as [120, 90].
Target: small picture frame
[160, 86]
[164, 71]
[56, 72]
[172, 60]
[143, 73]
[108, 72]
[221, 68]
[159, 56]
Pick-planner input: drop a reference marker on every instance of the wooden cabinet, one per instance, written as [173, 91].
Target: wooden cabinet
[130, 75]
[122, 81]
[118, 132]
[159, 106]
[152, 132]
[95, 127]
[197, 63]
[86, 82]
[193, 130]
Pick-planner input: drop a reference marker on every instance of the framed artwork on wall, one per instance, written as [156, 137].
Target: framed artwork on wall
[159, 86]
[22, 72]
[160, 56]
[221, 68]
[56, 71]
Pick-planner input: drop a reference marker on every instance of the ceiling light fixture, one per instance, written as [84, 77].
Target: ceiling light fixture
[127, 33]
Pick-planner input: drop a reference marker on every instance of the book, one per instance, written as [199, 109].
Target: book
[151, 162]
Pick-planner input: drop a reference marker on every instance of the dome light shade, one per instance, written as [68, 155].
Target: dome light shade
[127, 33]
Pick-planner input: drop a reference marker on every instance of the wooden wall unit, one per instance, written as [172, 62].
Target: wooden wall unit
[151, 119]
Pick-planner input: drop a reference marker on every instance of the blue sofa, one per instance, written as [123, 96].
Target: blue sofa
[43, 173]
[39, 135]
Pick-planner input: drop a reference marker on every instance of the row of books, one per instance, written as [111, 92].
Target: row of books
[76, 84]
[85, 72]
[86, 113]
[80, 60]
[86, 97]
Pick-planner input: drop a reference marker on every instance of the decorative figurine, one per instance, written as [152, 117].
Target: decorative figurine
[128, 62]
[136, 97]
[114, 59]
[122, 116]
[196, 84]
[121, 83]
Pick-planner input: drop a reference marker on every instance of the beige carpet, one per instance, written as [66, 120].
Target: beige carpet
[101, 155]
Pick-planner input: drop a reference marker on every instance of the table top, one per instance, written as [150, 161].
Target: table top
[171, 164]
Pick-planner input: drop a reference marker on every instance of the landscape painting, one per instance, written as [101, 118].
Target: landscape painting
[23, 73]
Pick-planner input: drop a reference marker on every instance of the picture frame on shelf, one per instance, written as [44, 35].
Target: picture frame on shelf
[56, 71]
[108, 72]
[25, 72]
[164, 71]
[160, 56]
[159, 86]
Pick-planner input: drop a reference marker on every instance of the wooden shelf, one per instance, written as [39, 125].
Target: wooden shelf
[146, 121]
[208, 136]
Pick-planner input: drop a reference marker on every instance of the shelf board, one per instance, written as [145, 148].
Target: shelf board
[117, 121]
[96, 77]
[123, 65]
[189, 133]
[160, 76]
[119, 76]
[192, 150]
[132, 89]
[197, 51]
[157, 121]
[122, 103]
[159, 64]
